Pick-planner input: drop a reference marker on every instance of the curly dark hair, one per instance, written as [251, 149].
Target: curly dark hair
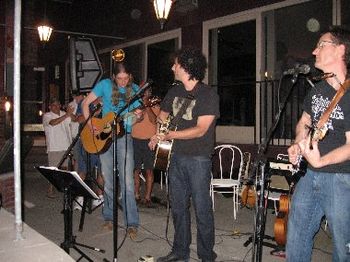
[193, 62]
[341, 36]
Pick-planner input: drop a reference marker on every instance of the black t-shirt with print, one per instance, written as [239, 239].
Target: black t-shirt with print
[205, 102]
[315, 104]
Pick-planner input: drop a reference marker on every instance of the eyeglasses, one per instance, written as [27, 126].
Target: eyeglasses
[322, 43]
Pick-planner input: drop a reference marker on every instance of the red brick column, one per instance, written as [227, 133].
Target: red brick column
[8, 191]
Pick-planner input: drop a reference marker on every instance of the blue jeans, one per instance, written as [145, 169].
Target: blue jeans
[189, 176]
[318, 194]
[125, 161]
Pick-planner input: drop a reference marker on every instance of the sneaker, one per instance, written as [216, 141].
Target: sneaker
[98, 202]
[107, 225]
[132, 232]
[78, 203]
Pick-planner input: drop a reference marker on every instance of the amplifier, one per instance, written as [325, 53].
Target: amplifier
[281, 165]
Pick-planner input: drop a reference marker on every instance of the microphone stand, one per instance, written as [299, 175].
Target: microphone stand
[259, 168]
[136, 96]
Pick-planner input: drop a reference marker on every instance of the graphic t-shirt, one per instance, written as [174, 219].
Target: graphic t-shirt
[315, 104]
[205, 102]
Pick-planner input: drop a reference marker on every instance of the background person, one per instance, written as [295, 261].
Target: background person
[142, 131]
[58, 135]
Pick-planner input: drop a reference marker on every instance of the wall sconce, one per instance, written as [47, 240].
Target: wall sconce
[162, 9]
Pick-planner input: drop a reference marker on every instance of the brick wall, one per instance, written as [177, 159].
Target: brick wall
[8, 191]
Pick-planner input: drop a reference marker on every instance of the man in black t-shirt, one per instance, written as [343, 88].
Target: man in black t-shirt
[190, 163]
[325, 188]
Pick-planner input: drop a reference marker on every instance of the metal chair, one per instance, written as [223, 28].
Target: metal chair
[226, 173]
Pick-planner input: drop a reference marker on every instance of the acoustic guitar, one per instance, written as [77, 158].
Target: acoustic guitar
[100, 141]
[163, 151]
[280, 226]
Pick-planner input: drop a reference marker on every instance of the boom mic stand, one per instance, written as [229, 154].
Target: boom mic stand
[261, 177]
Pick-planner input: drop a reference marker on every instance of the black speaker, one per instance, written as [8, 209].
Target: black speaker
[85, 66]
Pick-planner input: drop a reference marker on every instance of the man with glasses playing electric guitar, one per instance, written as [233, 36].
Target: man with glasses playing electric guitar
[193, 107]
[323, 139]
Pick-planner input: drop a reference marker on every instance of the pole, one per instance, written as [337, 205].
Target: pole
[17, 119]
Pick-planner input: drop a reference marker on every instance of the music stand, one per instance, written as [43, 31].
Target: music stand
[69, 183]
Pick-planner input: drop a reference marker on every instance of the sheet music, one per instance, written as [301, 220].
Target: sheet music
[75, 175]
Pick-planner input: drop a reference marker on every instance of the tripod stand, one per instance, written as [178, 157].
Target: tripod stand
[69, 183]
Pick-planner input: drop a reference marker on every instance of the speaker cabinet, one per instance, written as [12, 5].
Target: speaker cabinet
[85, 66]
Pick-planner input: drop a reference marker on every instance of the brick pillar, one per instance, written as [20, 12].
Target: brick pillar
[8, 191]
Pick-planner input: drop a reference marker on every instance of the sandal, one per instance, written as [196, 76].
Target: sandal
[51, 192]
[148, 203]
[138, 200]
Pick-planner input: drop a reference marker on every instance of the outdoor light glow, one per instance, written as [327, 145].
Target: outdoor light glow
[162, 9]
[44, 32]
[7, 106]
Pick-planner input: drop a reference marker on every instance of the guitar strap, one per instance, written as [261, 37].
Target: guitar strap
[326, 114]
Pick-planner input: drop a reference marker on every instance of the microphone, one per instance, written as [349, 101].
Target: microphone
[299, 69]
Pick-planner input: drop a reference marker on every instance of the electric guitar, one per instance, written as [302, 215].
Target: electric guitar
[99, 142]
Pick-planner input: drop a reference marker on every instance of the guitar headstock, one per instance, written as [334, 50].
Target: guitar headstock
[152, 101]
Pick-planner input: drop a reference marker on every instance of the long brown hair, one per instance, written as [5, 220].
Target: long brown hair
[121, 67]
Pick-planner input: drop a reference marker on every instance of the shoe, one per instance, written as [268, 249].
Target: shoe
[132, 232]
[78, 203]
[171, 257]
[51, 192]
[107, 225]
[98, 202]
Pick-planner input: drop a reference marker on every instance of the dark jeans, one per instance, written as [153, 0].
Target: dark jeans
[189, 176]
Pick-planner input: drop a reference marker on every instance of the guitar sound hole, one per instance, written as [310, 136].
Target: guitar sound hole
[103, 135]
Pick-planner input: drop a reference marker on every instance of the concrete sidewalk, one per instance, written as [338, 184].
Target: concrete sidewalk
[44, 215]
[45, 230]
[33, 247]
